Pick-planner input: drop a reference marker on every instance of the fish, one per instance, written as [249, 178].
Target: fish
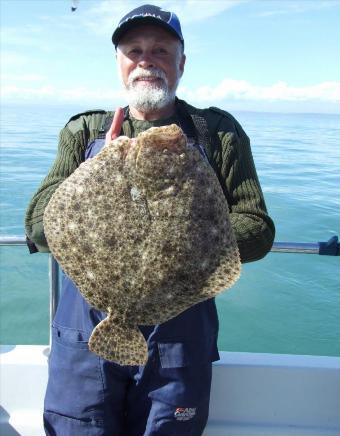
[143, 230]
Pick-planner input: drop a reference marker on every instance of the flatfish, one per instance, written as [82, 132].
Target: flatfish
[143, 230]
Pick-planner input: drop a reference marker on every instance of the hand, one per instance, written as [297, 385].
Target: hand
[116, 126]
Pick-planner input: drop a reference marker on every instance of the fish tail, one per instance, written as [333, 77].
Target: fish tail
[118, 342]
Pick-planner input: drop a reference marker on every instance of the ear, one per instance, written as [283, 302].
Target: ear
[182, 63]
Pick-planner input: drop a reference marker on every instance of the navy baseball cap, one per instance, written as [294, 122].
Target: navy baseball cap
[148, 14]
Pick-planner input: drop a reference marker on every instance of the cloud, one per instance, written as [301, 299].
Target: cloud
[197, 10]
[27, 36]
[11, 59]
[17, 78]
[105, 15]
[297, 7]
[230, 89]
[47, 93]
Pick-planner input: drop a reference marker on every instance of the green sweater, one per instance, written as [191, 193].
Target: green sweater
[229, 153]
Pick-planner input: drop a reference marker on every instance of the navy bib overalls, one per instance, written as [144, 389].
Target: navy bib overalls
[87, 395]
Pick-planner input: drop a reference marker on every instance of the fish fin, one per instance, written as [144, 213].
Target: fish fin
[118, 342]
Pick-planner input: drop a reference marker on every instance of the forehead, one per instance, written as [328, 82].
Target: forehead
[148, 32]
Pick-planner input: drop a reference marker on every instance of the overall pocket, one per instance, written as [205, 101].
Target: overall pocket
[75, 385]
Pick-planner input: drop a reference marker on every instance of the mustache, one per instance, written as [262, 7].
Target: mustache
[153, 72]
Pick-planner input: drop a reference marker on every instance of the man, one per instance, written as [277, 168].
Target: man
[87, 395]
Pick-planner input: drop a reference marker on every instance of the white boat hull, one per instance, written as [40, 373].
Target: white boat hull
[252, 394]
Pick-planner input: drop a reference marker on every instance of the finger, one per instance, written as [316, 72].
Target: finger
[116, 125]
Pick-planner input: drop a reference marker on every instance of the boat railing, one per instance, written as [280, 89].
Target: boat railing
[328, 248]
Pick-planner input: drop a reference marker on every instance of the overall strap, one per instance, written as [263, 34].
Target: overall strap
[186, 122]
[195, 127]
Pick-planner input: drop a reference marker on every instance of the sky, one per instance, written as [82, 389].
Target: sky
[251, 55]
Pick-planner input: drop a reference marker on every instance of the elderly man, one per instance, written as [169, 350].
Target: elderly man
[87, 395]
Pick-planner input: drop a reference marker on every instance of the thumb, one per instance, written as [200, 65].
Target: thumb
[116, 125]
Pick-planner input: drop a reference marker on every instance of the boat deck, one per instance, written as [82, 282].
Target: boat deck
[252, 394]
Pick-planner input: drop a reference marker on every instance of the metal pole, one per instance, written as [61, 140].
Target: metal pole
[294, 247]
[12, 240]
[54, 288]
[332, 246]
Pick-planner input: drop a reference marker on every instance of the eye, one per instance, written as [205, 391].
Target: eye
[160, 50]
[135, 50]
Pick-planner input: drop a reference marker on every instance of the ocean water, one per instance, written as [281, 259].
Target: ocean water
[285, 303]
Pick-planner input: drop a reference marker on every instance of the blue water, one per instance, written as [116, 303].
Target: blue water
[285, 303]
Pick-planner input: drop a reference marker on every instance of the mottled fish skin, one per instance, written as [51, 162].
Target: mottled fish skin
[143, 230]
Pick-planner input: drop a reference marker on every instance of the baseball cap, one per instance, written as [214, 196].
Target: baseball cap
[148, 14]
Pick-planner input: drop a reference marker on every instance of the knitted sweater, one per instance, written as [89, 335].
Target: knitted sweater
[229, 154]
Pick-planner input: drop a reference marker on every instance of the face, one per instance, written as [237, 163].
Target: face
[151, 62]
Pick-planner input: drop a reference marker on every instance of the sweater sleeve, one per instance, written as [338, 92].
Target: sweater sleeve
[253, 228]
[69, 157]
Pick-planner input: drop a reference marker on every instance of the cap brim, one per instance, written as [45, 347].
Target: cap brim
[120, 31]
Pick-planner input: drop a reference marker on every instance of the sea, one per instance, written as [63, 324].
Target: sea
[284, 303]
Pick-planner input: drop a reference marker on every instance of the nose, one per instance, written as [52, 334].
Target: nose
[146, 61]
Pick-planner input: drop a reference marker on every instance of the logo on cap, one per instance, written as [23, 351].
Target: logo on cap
[148, 13]
[184, 413]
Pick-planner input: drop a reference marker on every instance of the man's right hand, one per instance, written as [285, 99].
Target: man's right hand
[116, 126]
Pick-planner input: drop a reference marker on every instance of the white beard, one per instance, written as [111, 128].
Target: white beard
[147, 98]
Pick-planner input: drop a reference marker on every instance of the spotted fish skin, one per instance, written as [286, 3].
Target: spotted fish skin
[143, 230]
